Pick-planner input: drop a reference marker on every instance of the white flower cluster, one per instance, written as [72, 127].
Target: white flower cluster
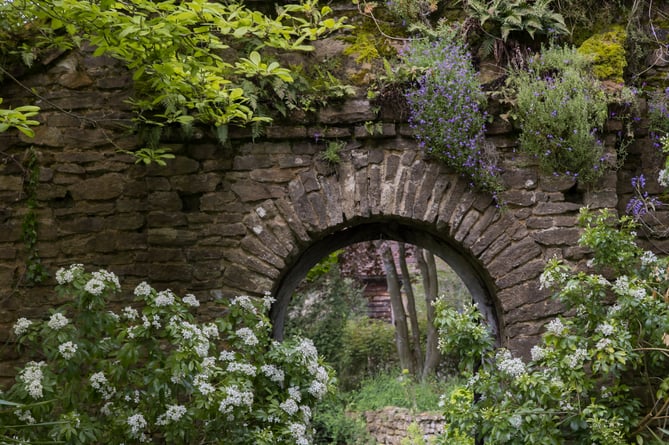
[143, 289]
[137, 423]
[130, 313]
[268, 300]
[201, 382]
[100, 383]
[21, 326]
[154, 321]
[289, 406]
[537, 353]
[648, 259]
[191, 300]
[603, 343]
[273, 373]
[57, 321]
[133, 396]
[164, 298]
[577, 358]
[623, 286]
[555, 327]
[318, 386]
[551, 277]
[605, 329]
[66, 276]
[32, 376]
[308, 351]
[245, 303]
[95, 287]
[173, 414]
[67, 350]
[507, 364]
[25, 416]
[247, 336]
[226, 356]
[295, 393]
[244, 368]
[298, 431]
[235, 398]
[99, 280]
[191, 333]
[663, 178]
[516, 421]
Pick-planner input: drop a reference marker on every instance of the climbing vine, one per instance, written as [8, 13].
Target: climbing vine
[35, 271]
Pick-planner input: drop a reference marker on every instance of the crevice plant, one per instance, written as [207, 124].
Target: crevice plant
[447, 111]
[152, 373]
[561, 110]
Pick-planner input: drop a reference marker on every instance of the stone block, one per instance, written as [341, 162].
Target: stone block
[104, 187]
[349, 112]
[557, 236]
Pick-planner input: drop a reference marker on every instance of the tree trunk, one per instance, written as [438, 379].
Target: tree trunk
[401, 331]
[428, 268]
[416, 346]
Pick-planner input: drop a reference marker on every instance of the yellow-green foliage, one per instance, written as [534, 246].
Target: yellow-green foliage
[607, 51]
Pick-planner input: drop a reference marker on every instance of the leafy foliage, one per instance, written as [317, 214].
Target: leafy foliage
[507, 16]
[599, 377]
[561, 110]
[152, 373]
[395, 388]
[192, 61]
[19, 118]
[322, 308]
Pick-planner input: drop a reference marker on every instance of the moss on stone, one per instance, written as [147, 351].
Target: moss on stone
[607, 50]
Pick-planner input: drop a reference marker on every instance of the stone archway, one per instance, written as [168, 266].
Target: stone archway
[471, 273]
[390, 190]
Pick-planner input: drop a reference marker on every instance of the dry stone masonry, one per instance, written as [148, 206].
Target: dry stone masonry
[255, 215]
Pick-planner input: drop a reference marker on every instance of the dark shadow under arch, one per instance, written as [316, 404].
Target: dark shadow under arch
[473, 275]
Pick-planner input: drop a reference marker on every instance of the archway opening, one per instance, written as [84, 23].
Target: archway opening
[470, 271]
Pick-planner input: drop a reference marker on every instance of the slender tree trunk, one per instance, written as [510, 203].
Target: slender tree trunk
[401, 330]
[416, 347]
[428, 268]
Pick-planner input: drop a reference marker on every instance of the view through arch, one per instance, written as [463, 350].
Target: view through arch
[472, 274]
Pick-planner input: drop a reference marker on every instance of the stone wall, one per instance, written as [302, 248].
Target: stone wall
[255, 215]
[389, 425]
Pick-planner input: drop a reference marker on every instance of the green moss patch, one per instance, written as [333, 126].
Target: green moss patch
[607, 51]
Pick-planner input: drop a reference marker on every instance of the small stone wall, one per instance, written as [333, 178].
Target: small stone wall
[389, 425]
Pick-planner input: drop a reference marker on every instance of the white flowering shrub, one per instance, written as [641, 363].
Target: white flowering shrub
[151, 373]
[599, 376]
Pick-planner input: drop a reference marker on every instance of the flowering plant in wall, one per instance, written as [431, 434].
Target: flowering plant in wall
[599, 377]
[150, 373]
[446, 111]
[561, 110]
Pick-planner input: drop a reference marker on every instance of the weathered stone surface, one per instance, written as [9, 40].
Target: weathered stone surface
[102, 188]
[558, 236]
[555, 208]
[351, 112]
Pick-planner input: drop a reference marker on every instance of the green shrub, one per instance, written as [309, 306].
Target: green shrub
[396, 388]
[561, 110]
[599, 377]
[152, 373]
[334, 425]
[321, 310]
[368, 348]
